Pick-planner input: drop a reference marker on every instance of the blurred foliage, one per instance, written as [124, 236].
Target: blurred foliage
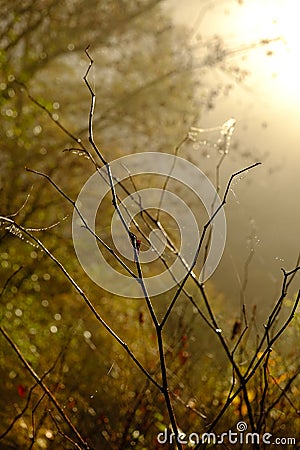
[146, 100]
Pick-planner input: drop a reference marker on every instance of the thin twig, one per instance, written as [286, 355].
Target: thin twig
[84, 296]
[133, 239]
[59, 430]
[259, 361]
[205, 227]
[85, 224]
[29, 368]
[9, 280]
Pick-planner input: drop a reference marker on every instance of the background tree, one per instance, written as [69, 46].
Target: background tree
[42, 46]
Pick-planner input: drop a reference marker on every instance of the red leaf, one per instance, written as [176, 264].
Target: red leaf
[138, 244]
[21, 390]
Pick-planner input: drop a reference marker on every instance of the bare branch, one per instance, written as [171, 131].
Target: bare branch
[85, 298]
[9, 280]
[201, 240]
[83, 444]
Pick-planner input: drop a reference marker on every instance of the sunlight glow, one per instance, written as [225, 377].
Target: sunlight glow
[274, 68]
[267, 19]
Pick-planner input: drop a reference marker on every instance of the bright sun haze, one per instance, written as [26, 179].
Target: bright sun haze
[268, 19]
